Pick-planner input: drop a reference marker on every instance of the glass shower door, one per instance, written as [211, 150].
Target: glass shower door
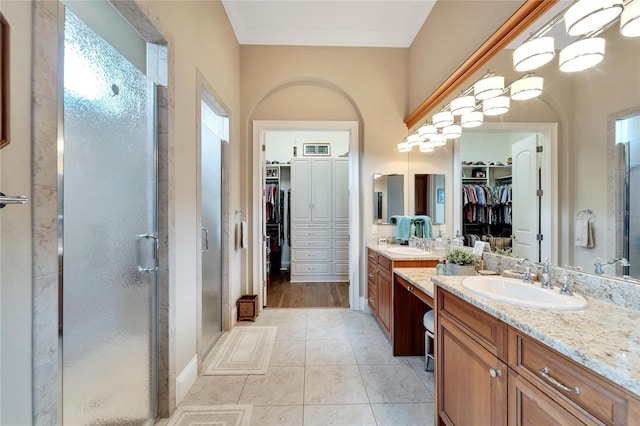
[109, 224]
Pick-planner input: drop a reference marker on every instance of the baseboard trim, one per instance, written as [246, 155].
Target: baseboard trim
[186, 379]
[364, 306]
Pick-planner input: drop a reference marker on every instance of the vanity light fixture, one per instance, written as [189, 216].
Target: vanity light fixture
[488, 87]
[586, 16]
[453, 131]
[437, 140]
[427, 130]
[496, 106]
[582, 54]
[442, 119]
[534, 54]
[528, 87]
[463, 104]
[472, 119]
[413, 140]
[630, 19]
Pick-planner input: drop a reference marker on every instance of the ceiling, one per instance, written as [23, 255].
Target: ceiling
[354, 23]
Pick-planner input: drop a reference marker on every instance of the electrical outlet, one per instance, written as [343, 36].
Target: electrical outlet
[382, 241]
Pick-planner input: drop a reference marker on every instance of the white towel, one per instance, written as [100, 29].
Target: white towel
[584, 233]
[244, 234]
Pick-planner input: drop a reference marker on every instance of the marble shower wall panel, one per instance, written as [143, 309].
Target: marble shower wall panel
[45, 212]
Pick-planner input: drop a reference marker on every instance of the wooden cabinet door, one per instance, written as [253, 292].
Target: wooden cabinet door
[372, 286]
[384, 299]
[529, 406]
[472, 382]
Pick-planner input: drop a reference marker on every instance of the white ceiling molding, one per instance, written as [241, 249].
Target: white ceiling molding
[354, 23]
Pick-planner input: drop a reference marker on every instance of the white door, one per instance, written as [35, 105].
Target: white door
[525, 208]
[301, 189]
[321, 189]
[340, 183]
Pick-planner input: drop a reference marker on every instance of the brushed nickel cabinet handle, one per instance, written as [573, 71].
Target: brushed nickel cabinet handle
[495, 372]
[544, 372]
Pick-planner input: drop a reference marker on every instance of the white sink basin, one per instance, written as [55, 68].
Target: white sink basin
[515, 292]
[405, 250]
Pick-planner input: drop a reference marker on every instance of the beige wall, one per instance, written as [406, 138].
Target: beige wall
[321, 83]
[451, 33]
[15, 229]
[200, 39]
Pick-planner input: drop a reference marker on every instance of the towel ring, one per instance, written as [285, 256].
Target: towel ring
[585, 211]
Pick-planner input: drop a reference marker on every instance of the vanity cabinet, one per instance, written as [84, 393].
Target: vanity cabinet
[489, 370]
[380, 285]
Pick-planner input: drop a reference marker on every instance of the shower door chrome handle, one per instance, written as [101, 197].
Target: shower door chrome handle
[8, 199]
[206, 240]
[146, 237]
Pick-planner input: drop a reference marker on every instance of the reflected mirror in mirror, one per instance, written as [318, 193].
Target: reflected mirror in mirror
[388, 196]
[429, 195]
[588, 170]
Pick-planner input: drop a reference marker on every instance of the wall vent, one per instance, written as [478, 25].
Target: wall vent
[316, 149]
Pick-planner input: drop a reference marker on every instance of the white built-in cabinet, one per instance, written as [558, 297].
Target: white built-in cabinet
[319, 219]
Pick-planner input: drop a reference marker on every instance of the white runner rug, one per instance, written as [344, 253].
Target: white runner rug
[246, 350]
[219, 415]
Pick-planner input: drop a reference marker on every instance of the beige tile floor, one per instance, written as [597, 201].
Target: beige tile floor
[328, 367]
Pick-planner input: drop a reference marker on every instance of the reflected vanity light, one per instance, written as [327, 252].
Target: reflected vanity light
[472, 119]
[586, 16]
[527, 87]
[496, 106]
[582, 54]
[413, 140]
[437, 140]
[404, 147]
[534, 54]
[453, 131]
[630, 20]
[488, 87]
[426, 147]
[427, 130]
[442, 119]
[463, 104]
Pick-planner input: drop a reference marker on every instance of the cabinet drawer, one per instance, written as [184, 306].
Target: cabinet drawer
[341, 268]
[340, 224]
[307, 268]
[310, 233]
[488, 330]
[385, 263]
[372, 256]
[341, 255]
[340, 233]
[303, 243]
[310, 225]
[302, 255]
[341, 244]
[598, 397]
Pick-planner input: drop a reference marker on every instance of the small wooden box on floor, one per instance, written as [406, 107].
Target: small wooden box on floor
[248, 307]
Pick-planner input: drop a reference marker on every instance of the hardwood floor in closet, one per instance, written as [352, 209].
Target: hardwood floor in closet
[283, 294]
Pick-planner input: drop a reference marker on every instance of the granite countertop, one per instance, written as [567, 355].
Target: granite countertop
[383, 249]
[419, 277]
[603, 337]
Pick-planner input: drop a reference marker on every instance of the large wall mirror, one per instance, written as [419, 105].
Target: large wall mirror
[388, 197]
[592, 135]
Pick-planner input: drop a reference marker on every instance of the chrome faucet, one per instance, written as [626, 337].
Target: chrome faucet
[527, 269]
[600, 265]
[565, 289]
[546, 275]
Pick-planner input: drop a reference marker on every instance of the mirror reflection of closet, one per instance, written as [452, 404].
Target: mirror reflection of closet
[429, 197]
[388, 196]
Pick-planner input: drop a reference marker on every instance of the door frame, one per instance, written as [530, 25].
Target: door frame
[260, 127]
[549, 164]
[209, 96]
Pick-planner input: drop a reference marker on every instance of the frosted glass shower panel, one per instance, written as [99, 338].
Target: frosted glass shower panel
[109, 201]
